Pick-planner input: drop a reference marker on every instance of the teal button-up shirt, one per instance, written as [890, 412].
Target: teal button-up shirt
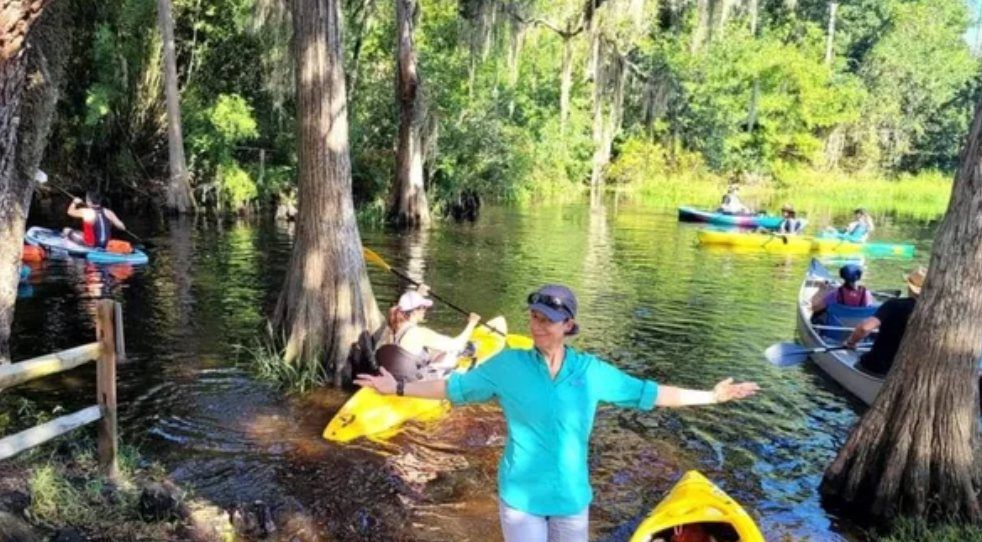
[544, 467]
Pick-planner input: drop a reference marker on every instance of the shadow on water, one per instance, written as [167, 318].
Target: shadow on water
[652, 302]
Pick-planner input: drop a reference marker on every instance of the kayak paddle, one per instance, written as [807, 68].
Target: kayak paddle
[784, 354]
[371, 256]
[42, 178]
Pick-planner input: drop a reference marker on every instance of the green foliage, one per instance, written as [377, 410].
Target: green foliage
[913, 71]
[896, 97]
[213, 134]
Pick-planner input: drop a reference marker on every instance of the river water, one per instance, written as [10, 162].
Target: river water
[651, 302]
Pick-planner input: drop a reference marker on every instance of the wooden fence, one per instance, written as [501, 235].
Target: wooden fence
[109, 346]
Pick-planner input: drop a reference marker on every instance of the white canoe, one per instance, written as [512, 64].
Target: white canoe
[838, 364]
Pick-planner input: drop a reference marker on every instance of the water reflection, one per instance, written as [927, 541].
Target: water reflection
[651, 302]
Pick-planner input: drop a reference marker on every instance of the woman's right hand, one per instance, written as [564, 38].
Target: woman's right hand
[473, 319]
[423, 289]
[384, 383]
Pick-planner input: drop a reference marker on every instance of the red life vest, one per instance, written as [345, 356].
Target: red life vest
[851, 297]
[96, 233]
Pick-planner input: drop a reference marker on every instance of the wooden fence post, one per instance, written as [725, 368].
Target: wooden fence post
[106, 388]
[120, 340]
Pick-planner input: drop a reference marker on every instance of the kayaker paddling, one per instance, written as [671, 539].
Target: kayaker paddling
[549, 396]
[731, 203]
[858, 231]
[891, 321]
[97, 221]
[422, 352]
[790, 223]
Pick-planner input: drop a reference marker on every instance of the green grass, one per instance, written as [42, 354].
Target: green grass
[71, 491]
[922, 196]
[909, 530]
[266, 361]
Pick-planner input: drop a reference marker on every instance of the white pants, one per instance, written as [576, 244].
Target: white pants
[518, 526]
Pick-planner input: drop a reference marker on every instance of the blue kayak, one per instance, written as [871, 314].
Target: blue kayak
[59, 246]
[691, 214]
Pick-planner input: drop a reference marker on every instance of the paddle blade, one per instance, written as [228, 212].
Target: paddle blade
[817, 270]
[786, 353]
[372, 257]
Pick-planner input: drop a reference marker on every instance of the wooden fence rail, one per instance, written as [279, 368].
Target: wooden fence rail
[105, 351]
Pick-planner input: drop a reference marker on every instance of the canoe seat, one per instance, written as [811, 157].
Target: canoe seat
[845, 316]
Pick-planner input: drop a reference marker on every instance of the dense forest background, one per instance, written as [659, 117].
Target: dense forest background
[522, 98]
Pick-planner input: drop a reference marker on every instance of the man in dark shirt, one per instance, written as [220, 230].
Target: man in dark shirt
[891, 319]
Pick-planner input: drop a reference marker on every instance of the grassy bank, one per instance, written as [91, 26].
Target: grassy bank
[644, 171]
[922, 196]
[57, 488]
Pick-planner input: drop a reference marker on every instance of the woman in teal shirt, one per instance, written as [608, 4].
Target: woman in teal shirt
[549, 396]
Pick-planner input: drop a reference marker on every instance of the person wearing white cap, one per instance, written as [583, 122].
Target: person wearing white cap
[434, 352]
[891, 319]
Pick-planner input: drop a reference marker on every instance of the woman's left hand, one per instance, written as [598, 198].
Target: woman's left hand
[726, 390]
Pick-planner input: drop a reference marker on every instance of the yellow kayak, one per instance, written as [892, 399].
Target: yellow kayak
[784, 244]
[696, 504]
[369, 413]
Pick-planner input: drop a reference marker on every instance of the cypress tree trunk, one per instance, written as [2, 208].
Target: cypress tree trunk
[179, 199]
[704, 19]
[830, 36]
[326, 306]
[565, 82]
[914, 451]
[599, 83]
[32, 56]
[408, 206]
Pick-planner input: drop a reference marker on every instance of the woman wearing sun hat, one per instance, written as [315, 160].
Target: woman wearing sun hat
[891, 319]
[549, 396]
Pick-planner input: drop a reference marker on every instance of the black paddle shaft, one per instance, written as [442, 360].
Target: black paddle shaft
[406, 277]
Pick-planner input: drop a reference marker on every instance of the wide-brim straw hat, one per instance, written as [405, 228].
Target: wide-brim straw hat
[915, 279]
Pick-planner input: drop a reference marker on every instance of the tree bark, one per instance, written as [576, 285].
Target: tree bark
[326, 307]
[32, 56]
[914, 452]
[755, 89]
[704, 20]
[599, 82]
[830, 37]
[179, 198]
[408, 206]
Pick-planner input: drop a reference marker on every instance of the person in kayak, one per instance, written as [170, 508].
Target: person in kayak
[849, 293]
[891, 319]
[549, 396]
[731, 203]
[97, 222]
[431, 353]
[858, 231]
[790, 223]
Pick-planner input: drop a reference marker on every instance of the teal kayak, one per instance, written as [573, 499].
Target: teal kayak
[903, 250]
[691, 214]
[24, 272]
[60, 246]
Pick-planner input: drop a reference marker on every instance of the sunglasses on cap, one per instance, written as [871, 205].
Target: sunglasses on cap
[550, 301]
